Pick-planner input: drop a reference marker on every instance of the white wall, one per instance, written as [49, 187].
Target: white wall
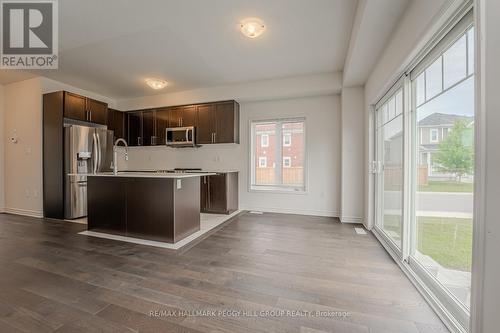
[486, 267]
[2, 156]
[23, 160]
[291, 87]
[352, 158]
[322, 115]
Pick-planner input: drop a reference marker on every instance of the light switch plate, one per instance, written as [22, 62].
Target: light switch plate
[179, 184]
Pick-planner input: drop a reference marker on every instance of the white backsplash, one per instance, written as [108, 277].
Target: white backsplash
[210, 157]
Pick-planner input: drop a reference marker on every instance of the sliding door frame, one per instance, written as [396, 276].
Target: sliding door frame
[453, 314]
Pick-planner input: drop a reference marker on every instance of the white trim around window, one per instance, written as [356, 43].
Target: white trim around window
[264, 140]
[275, 179]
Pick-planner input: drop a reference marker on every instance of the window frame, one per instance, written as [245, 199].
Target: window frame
[262, 136]
[279, 187]
[287, 144]
[431, 139]
[263, 158]
[289, 159]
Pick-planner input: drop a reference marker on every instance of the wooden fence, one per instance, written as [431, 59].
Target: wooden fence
[291, 176]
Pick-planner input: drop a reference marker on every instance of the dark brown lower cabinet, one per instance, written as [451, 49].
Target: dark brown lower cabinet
[219, 193]
[158, 209]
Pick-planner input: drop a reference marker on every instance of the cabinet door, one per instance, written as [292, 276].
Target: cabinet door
[135, 129]
[217, 194]
[148, 128]
[188, 116]
[225, 122]
[75, 106]
[116, 123]
[175, 117]
[162, 123]
[204, 193]
[98, 111]
[206, 124]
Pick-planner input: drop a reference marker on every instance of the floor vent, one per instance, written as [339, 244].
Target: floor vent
[360, 231]
[256, 212]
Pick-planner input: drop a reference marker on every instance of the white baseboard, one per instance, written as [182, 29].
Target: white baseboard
[312, 212]
[24, 212]
[351, 219]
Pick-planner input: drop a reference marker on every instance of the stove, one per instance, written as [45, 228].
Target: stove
[179, 170]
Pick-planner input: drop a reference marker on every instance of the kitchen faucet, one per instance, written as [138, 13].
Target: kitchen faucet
[115, 153]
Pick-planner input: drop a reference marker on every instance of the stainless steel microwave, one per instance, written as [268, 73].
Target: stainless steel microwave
[181, 136]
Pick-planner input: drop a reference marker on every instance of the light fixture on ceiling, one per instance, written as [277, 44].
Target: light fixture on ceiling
[156, 83]
[252, 27]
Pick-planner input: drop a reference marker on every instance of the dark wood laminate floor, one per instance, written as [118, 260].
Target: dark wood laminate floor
[53, 280]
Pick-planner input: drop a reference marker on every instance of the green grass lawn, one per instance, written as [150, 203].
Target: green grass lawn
[449, 186]
[446, 240]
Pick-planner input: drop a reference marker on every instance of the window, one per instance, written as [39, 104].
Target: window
[264, 140]
[434, 135]
[262, 162]
[287, 161]
[285, 140]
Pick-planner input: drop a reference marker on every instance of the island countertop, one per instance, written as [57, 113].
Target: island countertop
[143, 175]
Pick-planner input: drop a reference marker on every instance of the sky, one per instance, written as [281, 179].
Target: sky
[459, 100]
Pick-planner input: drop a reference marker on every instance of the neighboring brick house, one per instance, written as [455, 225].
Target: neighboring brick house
[292, 152]
[432, 130]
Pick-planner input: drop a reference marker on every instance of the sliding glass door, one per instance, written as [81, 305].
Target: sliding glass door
[443, 163]
[389, 182]
[424, 169]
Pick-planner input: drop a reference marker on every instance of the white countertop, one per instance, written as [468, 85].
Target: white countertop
[143, 175]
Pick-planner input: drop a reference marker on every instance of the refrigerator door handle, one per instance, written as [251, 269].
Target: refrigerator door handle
[94, 153]
[98, 152]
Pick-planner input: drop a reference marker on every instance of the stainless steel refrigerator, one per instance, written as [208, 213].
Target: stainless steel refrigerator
[87, 150]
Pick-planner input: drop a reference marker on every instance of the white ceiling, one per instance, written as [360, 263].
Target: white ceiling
[373, 26]
[111, 47]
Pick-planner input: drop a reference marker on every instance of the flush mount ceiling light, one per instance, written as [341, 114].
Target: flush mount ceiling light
[252, 27]
[156, 83]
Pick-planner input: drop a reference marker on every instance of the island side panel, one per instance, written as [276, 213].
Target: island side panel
[187, 207]
[150, 208]
[107, 199]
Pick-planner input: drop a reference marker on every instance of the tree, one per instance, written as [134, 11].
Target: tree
[456, 154]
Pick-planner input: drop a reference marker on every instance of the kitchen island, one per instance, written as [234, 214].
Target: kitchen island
[154, 206]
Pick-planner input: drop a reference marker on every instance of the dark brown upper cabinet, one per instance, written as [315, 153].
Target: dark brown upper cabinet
[85, 109]
[117, 124]
[75, 106]
[215, 123]
[98, 111]
[162, 123]
[227, 122]
[206, 124]
[218, 123]
[149, 128]
[182, 116]
[135, 128]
